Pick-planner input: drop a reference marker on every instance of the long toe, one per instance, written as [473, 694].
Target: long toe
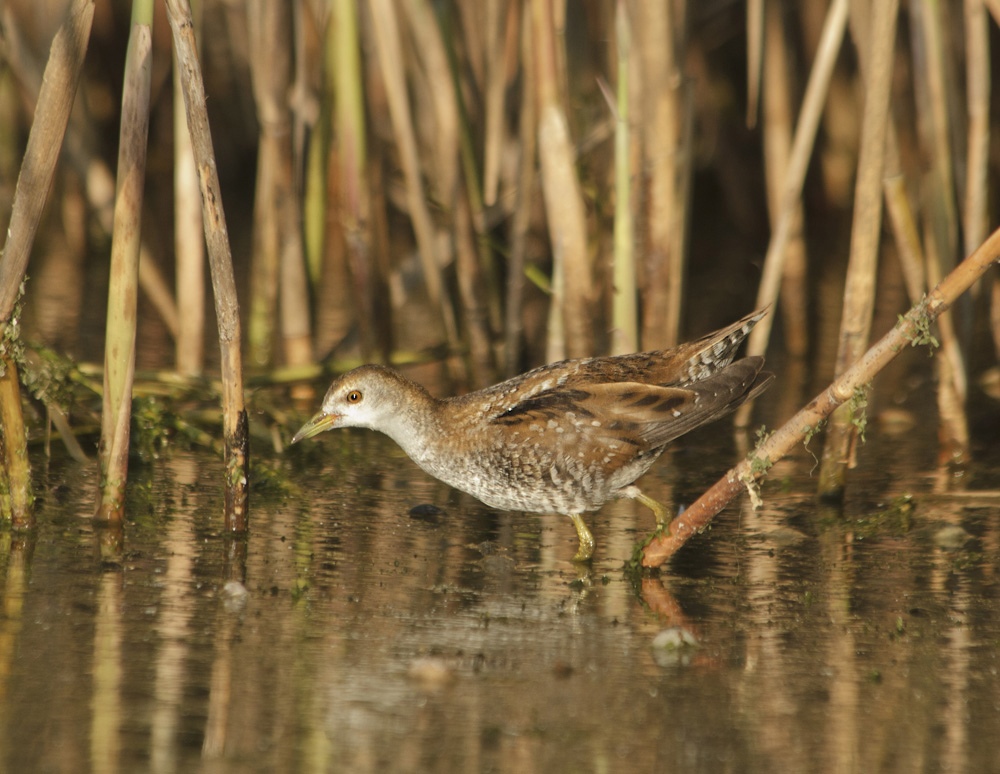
[658, 508]
[586, 547]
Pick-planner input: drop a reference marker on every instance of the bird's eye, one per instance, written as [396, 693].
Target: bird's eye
[354, 396]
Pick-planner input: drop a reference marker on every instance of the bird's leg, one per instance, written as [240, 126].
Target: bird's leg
[659, 509]
[586, 548]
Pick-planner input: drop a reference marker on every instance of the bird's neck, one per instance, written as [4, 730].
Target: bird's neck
[416, 424]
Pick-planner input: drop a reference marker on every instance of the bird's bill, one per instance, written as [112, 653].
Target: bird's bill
[322, 421]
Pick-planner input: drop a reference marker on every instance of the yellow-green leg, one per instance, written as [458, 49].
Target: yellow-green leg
[586, 548]
[659, 509]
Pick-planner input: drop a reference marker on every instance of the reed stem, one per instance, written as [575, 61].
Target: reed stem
[52, 111]
[234, 416]
[866, 233]
[570, 332]
[624, 323]
[798, 163]
[388, 47]
[189, 241]
[123, 288]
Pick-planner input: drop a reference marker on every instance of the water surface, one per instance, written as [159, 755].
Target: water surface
[349, 634]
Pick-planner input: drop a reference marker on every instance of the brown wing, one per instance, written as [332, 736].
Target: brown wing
[557, 383]
[662, 414]
[643, 416]
[681, 366]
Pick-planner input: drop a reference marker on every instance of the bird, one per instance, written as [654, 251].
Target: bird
[562, 438]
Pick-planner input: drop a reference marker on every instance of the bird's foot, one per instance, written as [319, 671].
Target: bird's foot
[663, 517]
[586, 548]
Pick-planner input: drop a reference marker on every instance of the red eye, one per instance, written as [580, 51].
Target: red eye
[354, 396]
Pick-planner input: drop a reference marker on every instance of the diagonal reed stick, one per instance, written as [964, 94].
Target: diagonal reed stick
[910, 330]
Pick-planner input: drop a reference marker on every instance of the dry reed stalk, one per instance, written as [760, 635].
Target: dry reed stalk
[495, 23]
[952, 386]
[906, 235]
[380, 272]
[941, 218]
[488, 296]
[296, 328]
[263, 316]
[975, 217]
[350, 255]
[837, 155]
[16, 496]
[478, 290]
[189, 243]
[227, 312]
[624, 315]
[80, 148]
[993, 6]
[487, 314]
[558, 12]
[572, 275]
[307, 20]
[462, 203]
[521, 220]
[10, 140]
[475, 35]
[755, 57]
[798, 163]
[777, 148]
[866, 233]
[438, 82]
[927, 24]
[316, 196]
[473, 297]
[269, 34]
[555, 335]
[656, 37]
[388, 51]
[52, 111]
[123, 283]
[911, 330]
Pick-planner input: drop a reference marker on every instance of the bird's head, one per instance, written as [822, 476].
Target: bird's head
[371, 396]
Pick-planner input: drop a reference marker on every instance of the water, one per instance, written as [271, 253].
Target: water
[356, 636]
